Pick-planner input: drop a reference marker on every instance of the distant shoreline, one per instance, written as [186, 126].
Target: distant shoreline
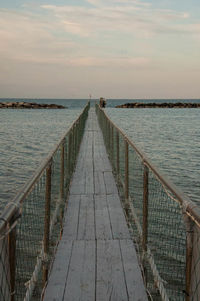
[29, 105]
[167, 105]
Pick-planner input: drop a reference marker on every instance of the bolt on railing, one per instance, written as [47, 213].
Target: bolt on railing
[31, 225]
[164, 221]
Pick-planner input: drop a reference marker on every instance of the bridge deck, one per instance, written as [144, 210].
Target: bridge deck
[96, 258]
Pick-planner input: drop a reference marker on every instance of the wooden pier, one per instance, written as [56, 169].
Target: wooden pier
[96, 257]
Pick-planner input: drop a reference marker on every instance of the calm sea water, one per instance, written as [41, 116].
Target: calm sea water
[26, 138]
[171, 138]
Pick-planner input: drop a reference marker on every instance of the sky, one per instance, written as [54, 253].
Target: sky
[106, 48]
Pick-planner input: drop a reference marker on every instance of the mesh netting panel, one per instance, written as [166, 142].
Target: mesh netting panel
[167, 238]
[158, 222]
[195, 274]
[115, 146]
[29, 237]
[4, 269]
[55, 182]
[39, 228]
[136, 170]
[57, 203]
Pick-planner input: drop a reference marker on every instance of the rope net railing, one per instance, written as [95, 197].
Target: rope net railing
[165, 224]
[31, 225]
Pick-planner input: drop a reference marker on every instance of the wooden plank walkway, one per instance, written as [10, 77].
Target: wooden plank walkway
[96, 259]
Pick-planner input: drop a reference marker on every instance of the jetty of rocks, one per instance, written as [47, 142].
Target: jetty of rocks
[170, 105]
[29, 105]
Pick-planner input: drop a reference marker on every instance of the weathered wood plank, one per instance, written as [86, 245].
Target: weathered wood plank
[101, 161]
[133, 276]
[78, 184]
[99, 184]
[99, 152]
[92, 124]
[110, 284]
[80, 283]
[96, 259]
[102, 218]
[70, 227]
[111, 187]
[58, 276]
[86, 226]
[117, 218]
[102, 164]
[89, 181]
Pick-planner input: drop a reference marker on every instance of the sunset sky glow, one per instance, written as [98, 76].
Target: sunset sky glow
[110, 48]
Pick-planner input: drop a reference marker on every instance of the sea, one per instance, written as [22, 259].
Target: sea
[169, 137]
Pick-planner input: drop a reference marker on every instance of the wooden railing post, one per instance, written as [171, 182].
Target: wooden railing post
[145, 208]
[145, 218]
[69, 154]
[126, 179]
[74, 144]
[75, 140]
[78, 134]
[72, 151]
[112, 144]
[12, 261]
[106, 133]
[62, 170]
[189, 253]
[126, 170]
[66, 154]
[47, 221]
[117, 150]
[108, 138]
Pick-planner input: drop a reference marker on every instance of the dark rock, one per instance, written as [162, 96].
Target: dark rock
[159, 105]
[29, 105]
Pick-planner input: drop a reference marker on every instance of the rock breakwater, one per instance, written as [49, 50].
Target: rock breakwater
[170, 105]
[29, 105]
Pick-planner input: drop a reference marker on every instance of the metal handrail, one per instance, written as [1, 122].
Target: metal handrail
[190, 211]
[46, 190]
[14, 205]
[185, 201]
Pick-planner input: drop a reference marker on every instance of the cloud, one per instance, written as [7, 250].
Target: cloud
[116, 62]
[55, 49]
[99, 3]
[192, 30]
[108, 33]
[27, 38]
[135, 18]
